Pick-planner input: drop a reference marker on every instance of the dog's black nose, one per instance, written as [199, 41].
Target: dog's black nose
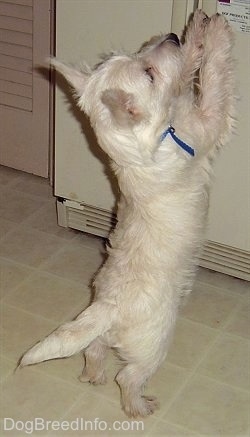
[173, 38]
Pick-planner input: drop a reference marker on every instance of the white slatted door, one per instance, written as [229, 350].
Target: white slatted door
[24, 92]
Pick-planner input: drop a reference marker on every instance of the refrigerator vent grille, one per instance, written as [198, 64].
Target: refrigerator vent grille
[226, 259]
[218, 257]
[92, 220]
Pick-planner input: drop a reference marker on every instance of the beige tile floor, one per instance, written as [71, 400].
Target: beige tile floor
[203, 386]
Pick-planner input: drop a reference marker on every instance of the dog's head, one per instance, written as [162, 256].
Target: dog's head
[129, 98]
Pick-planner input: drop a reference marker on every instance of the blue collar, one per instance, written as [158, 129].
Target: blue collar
[170, 130]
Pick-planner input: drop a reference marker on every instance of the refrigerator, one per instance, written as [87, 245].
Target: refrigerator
[85, 187]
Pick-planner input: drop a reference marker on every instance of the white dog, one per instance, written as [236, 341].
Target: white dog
[161, 115]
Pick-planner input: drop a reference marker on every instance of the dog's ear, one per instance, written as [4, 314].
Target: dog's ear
[122, 106]
[76, 76]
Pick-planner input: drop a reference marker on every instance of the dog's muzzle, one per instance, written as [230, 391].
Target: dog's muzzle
[172, 37]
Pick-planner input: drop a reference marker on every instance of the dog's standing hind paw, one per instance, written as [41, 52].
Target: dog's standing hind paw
[98, 380]
[144, 406]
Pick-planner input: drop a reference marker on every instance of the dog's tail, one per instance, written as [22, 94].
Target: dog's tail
[74, 336]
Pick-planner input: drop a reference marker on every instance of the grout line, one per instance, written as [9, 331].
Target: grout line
[100, 396]
[231, 317]
[220, 332]
[190, 375]
[178, 426]
[193, 371]
[34, 270]
[30, 314]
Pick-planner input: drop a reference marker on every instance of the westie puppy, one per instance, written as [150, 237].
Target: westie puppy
[161, 115]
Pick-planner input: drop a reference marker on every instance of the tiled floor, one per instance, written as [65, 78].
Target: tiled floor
[203, 386]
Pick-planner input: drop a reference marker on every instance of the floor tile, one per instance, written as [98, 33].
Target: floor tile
[65, 369]
[229, 361]
[12, 428]
[45, 270]
[8, 175]
[50, 296]
[7, 367]
[165, 429]
[33, 185]
[46, 220]
[101, 413]
[190, 341]
[20, 330]
[76, 262]
[11, 275]
[209, 305]
[28, 394]
[165, 383]
[17, 206]
[240, 322]
[91, 241]
[211, 409]
[6, 226]
[226, 282]
[30, 247]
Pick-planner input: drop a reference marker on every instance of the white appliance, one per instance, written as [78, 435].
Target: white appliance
[84, 185]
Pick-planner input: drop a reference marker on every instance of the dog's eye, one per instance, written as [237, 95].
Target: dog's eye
[149, 73]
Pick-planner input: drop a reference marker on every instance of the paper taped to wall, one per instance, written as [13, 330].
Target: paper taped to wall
[237, 12]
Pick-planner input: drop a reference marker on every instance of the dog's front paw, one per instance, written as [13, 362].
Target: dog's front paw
[196, 29]
[200, 19]
[219, 34]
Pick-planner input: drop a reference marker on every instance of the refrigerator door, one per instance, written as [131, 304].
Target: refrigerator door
[84, 31]
[84, 184]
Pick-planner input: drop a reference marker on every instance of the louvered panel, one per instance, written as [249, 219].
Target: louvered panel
[16, 76]
[12, 37]
[16, 50]
[16, 54]
[16, 24]
[14, 63]
[16, 101]
[20, 2]
[15, 10]
[93, 224]
[16, 89]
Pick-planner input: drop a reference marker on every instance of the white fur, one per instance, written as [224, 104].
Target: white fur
[164, 197]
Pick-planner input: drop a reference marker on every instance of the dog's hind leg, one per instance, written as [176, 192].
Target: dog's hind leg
[95, 355]
[132, 379]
